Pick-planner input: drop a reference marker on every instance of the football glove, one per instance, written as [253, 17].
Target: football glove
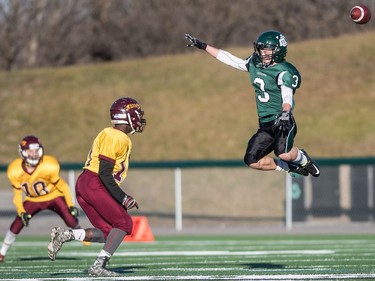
[129, 202]
[284, 122]
[195, 42]
[74, 211]
[25, 217]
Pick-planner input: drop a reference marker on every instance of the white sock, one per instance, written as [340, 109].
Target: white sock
[104, 254]
[300, 159]
[281, 165]
[9, 239]
[79, 234]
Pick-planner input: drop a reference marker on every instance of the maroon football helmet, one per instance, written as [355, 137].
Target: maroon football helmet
[128, 111]
[31, 150]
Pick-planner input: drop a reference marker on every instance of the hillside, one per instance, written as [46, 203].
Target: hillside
[196, 107]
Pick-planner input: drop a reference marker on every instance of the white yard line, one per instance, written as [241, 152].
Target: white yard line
[213, 253]
[224, 242]
[215, 277]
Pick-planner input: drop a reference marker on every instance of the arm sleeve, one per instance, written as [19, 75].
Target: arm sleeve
[287, 95]
[231, 60]
[105, 175]
[18, 201]
[65, 190]
[285, 81]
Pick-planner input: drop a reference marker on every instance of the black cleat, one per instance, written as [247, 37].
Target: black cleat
[311, 167]
[296, 170]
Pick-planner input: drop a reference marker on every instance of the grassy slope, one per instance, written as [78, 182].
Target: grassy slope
[196, 107]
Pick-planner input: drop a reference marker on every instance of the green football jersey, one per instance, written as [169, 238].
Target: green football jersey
[267, 82]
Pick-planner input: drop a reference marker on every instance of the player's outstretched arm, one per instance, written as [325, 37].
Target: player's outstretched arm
[193, 41]
[221, 55]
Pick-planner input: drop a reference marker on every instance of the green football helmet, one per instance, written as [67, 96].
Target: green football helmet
[273, 40]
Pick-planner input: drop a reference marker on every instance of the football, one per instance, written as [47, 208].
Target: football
[360, 14]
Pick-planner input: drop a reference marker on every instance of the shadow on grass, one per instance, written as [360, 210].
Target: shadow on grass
[126, 269]
[120, 270]
[264, 265]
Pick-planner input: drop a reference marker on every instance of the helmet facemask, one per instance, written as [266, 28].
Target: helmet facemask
[264, 60]
[270, 40]
[136, 122]
[127, 111]
[31, 151]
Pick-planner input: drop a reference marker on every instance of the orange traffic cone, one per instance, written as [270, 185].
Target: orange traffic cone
[141, 230]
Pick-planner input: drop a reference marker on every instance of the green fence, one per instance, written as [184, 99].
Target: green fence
[214, 163]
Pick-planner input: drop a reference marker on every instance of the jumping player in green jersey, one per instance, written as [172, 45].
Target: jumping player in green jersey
[275, 82]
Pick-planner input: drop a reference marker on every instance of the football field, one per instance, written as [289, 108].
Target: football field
[285, 257]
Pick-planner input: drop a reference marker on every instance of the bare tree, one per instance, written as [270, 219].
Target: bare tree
[58, 32]
[14, 17]
[35, 33]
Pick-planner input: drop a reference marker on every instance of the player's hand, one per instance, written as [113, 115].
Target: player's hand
[284, 122]
[25, 217]
[195, 42]
[74, 211]
[129, 202]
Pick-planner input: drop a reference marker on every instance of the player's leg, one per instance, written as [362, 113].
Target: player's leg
[120, 224]
[60, 235]
[9, 239]
[16, 227]
[103, 211]
[106, 214]
[310, 165]
[300, 162]
[258, 147]
[58, 205]
[284, 144]
[115, 238]
[289, 156]
[57, 238]
[292, 165]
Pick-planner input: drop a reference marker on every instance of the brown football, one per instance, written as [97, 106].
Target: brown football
[360, 14]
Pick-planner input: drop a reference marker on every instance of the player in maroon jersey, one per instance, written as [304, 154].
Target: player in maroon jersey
[98, 187]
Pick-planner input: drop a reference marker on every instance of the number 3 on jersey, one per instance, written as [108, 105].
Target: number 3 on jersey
[264, 97]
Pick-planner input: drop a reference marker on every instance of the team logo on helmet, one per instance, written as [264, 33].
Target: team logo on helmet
[282, 41]
[132, 105]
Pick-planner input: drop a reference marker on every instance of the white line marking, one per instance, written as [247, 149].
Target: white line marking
[363, 242]
[216, 277]
[215, 253]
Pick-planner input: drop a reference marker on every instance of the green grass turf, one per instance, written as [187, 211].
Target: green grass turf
[286, 257]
